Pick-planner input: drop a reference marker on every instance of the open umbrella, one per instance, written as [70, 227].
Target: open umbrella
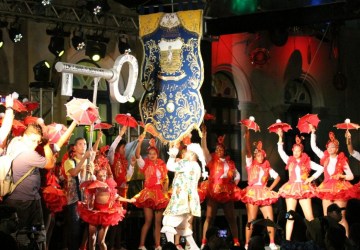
[82, 111]
[250, 123]
[31, 120]
[347, 125]
[97, 184]
[304, 121]
[18, 106]
[208, 117]
[17, 127]
[102, 125]
[31, 106]
[126, 120]
[149, 128]
[279, 125]
[54, 131]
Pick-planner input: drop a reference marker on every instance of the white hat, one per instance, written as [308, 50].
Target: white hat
[196, 148]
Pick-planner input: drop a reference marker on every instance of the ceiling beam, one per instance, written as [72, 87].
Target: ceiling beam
[69, 15]
[265, 20]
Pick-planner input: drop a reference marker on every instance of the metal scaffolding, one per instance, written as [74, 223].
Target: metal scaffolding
[75, 15]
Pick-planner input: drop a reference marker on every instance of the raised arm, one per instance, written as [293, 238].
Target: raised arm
[313, 145]
[204, 144]
[247, 142]
[65, 137]
[280, 144]
[115, 143]
[8, 119]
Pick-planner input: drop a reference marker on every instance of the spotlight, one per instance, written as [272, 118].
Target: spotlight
[1, 39]
[132, 99]
[42, 71]
[98, 6]
[15, 34]
[123, 45]
[95, 50]
[56, 45]
[78, 42]
[46, 2]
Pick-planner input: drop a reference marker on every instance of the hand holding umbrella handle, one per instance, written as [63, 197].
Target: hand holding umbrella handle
[312, 128]
[122, 131]
[348, 137]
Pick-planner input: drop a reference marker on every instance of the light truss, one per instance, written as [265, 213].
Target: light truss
[69, 15]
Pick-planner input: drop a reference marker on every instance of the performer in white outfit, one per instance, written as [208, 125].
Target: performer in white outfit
[184, 201]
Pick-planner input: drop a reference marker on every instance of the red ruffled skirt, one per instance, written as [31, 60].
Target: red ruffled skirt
[55, 198]
[259, 196]
[297, 190]
[336, 190]
[153, 198]
[356, 191]
[105, 217]
[221, 192]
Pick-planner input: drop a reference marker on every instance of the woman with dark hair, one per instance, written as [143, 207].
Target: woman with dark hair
[299, 187]
[153, 198]
[221, 188]
[336, 187]
[257, 195]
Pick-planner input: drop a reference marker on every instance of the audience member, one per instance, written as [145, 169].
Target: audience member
[8, 224]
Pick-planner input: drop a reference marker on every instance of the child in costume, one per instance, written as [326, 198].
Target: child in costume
[185, 201]
[153, 198]
[101, 207]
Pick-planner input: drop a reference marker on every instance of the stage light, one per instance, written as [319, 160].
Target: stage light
[42, 71]
[78, 42]
[46, 2]
[1, 39]
[56, 45]
[123, 45]
[95, 50]
[15, 34]
[132, 99]
[98, 7]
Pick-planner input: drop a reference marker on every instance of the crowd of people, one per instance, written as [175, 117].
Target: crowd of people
[93, 195]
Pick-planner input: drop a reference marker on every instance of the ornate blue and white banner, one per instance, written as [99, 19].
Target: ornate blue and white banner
[172, 73]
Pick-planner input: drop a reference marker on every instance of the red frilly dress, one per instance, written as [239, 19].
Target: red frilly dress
[221, 190]
[100, 206]
[119, 170]
[153, 196]
[256, 192]
[333, 189]
[54, 197]
[295, 189]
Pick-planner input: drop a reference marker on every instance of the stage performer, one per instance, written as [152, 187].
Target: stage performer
[101, 207]
[257, 195]
[172, 73]
[222, 189]
[336, 187]
[185, 201]
[153, 198]
[356, 155]
[299, 187]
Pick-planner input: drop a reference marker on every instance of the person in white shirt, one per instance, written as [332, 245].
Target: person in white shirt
[299, 187]
[336, 187]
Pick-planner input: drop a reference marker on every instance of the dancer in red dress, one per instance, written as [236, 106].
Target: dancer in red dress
[101, 207]
[153, 198]
[299, 187]
[336, 187]
[257, 195]
[221, 187]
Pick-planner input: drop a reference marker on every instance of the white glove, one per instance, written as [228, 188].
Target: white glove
[205, 175]
[173, 152]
